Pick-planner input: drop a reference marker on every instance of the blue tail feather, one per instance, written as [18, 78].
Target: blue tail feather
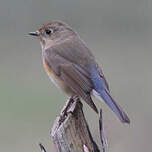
[102, 90]
[114, 106]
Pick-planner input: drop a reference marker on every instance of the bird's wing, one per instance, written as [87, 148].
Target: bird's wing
[71, 74]
[76, 52]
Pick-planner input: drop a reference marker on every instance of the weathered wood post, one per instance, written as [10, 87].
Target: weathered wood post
[73, 134]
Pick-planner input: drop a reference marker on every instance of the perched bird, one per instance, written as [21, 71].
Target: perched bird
[73, 68]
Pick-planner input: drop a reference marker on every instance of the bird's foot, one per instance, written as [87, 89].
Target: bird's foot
[65, 111]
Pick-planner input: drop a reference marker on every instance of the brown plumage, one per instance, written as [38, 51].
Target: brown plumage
[72, 66]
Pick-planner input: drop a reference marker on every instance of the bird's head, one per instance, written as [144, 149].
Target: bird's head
[53, 32]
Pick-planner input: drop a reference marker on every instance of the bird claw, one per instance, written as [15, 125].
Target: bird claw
[66, 111]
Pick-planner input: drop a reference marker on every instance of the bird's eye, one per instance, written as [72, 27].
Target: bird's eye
[48, 31]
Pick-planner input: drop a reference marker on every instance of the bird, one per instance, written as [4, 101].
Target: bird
[72, 67]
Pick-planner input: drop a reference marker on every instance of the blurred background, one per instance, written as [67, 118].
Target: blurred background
[119, 32]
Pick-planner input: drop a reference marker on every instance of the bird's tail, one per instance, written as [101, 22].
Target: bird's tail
[105, 95]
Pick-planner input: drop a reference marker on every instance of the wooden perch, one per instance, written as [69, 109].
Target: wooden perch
[73, 134]
[102, 135]
[42, 148]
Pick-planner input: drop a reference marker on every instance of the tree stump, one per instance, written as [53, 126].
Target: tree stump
[73, 134]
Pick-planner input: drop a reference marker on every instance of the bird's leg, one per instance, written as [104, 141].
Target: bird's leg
[68, 104]
[64, 112]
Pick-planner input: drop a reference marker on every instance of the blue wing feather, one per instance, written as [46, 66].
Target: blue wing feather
[101, 88]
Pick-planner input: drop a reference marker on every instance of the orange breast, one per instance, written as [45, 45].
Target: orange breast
[56, 80]
[46, 67]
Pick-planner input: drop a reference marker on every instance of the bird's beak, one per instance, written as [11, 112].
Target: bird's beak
[34, 33]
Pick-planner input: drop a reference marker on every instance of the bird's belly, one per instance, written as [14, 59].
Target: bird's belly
[56, 80]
